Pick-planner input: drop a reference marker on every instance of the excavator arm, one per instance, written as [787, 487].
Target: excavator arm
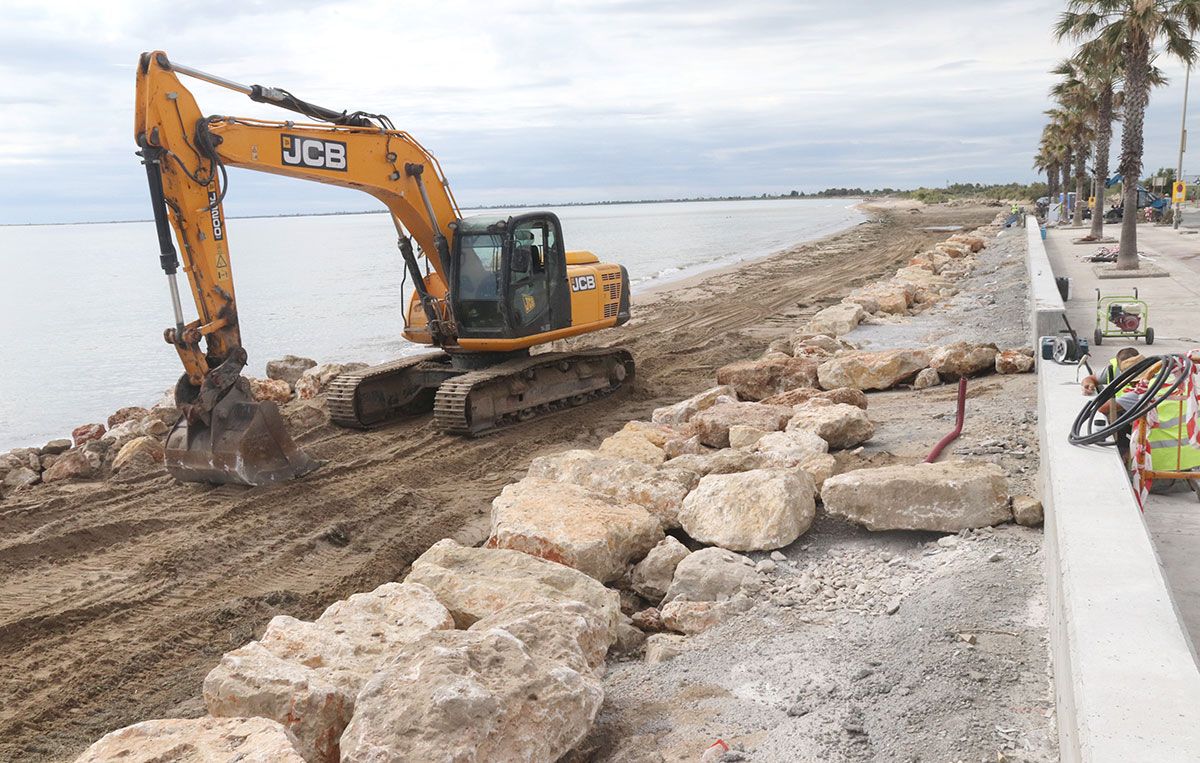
[186, 153]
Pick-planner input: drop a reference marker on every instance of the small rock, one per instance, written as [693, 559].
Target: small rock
[289, 368]
[926, 379]
[315, 380]
[630, 638]
[651, 577]
[778, 556]
[74, 464]
[19, 477]
[661, 647]
[893, 608]
[274, 390]
[139, 455]
[129, 413]
[1027, 511]
[766, 566]
[649, 619]
[798, 709]
[692, 617]
[1013, 362]
[710, 574]
[968, 638]
[86, 433]
[948, 541]
[54, 447]
[995, 557]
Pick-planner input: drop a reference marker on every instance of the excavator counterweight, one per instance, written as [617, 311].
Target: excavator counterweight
[492, 290]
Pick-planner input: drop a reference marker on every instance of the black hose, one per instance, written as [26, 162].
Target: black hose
[1152, 398]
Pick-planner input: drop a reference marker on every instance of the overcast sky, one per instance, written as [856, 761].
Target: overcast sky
[537, 102]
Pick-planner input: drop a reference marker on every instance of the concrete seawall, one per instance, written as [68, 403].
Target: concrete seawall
[1046, 309]
[1127, 685]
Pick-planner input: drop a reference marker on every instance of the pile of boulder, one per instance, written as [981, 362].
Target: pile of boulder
[130, 443]
[498, 652]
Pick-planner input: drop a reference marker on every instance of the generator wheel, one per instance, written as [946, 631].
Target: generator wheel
[1149, 335]
[1098, 338]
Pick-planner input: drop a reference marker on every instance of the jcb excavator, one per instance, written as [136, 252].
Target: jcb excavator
[493, 287]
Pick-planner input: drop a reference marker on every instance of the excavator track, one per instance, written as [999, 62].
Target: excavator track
[395, 388]
[478, 402]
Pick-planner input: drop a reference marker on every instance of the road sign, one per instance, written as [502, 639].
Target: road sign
[1179, 192]
[1091, 202]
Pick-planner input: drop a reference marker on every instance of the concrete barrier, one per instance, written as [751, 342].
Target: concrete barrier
[1127, 686]
[1046, 309]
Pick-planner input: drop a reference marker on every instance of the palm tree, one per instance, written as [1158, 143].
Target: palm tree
[1134, 27]
[1061, 131]
[1079, 100]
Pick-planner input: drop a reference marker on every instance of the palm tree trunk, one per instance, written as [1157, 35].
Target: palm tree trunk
[1103, 140]
[1137, 93]
[1080, 175]
[1051, 187]
[1066, 183]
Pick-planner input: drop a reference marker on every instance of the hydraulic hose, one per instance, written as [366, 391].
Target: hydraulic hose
[1156, 393]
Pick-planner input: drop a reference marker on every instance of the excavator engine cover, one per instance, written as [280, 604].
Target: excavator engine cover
[236, 440]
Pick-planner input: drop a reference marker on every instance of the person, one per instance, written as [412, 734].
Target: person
[1093, 384]
[1170, 448]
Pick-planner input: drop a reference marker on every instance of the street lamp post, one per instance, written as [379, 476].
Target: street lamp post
[1182, 146]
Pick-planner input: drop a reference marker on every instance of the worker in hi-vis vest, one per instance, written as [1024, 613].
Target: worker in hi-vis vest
[1170, 449]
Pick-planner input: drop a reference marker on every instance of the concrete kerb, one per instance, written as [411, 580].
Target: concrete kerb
[1046, 309]
[1127, 685]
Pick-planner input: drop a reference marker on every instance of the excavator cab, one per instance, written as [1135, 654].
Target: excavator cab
[509, 276]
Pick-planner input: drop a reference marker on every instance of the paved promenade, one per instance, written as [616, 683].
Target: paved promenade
[1173, 520]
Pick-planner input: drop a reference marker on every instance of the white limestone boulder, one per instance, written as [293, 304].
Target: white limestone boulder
[872, 370]
[947, 496]
[571, 525]
[838, 424]
[203, 740]
[634, 447]
[476, 582]
[757, 510]
[756, 379]
[306, 675]
[712, 425]
[837, 320]
[625, 481]
[682, 412]
[963, 359]
[472, 697]
[652, 576]
[710, 574]
[569, 632]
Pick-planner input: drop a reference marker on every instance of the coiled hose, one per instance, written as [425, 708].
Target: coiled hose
[1156, 393]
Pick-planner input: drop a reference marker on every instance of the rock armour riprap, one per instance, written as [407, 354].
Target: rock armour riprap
[756, 379]
[306, 675]
[471, 696]
[1013, 362]
[836, 320]
[963, 359]
[314, 380]
[652, 576]
[710, 574]
[757, 510]
[273, 390]
[289, 368]
[476, 582]
[203, 740]
[947, 496]
[838, 424]
[712, 425]
[872, 370]
[139, 455]
[682, 412]
[574, 526]
[633, 446]
[621, 479]
[848, 395]
[570, 632]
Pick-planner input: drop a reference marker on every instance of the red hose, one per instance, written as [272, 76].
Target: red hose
[958, 423]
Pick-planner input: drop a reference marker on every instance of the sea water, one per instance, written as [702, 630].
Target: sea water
[83, 307]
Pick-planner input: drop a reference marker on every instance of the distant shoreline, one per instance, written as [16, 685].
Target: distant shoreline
[487, 206]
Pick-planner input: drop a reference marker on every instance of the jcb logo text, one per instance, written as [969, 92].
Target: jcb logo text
[312, 152]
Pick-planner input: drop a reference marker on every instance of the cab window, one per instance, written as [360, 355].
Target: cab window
[480, 280]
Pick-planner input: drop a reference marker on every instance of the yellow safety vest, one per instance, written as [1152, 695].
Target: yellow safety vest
[1170, 450]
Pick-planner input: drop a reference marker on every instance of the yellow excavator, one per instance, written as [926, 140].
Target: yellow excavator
[493, 287]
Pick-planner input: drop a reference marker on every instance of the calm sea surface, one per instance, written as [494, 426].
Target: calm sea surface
[82, 307]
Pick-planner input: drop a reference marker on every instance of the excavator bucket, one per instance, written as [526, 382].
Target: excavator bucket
[243, 442]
